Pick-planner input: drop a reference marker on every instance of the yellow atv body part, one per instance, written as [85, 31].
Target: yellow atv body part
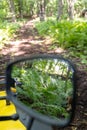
[13, 90]
[6, 110]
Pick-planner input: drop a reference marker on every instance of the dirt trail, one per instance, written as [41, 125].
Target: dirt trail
[27, 42]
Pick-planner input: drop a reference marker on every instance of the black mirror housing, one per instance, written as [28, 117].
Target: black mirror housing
[53, 72]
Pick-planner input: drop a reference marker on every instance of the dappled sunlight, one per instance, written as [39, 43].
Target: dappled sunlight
[32, 21]
[19, 53]
[36, 41]
[59, 50]
[27, 41]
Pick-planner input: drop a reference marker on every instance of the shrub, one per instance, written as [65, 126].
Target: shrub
[67, 34]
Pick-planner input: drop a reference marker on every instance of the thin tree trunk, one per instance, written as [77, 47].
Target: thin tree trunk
[20, 8]
[42, 11]
[60, 9]
[71, 9]
[12, 10]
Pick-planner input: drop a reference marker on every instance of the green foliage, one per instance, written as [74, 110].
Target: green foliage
[7, 31]
[12, 28]
[3, 9]
[42, 89]
[49, 99]
[31, 7]
[67, 34]
[51, 8]
[80, 4]
[43, 28]
[70, 34]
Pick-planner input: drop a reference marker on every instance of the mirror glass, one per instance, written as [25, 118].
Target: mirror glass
[45, 85]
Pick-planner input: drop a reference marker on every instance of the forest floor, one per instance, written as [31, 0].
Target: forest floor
[27, 42]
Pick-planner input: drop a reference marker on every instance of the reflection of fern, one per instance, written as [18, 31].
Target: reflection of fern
[43, 91]
[49, 109]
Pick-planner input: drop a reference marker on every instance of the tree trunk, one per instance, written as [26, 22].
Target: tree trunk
[12, 10]
[42, 11]
[20, 8]
[60, 9]
[71, 8]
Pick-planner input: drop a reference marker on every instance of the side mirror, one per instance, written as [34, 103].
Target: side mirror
[42, 88]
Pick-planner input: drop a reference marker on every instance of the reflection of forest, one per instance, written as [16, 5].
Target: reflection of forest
[46, 85]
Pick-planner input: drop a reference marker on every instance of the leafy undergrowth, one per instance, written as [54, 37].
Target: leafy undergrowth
[70, 35]
[49, 92]
[7, 31]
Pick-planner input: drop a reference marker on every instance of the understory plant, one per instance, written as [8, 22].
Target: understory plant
[71, 35]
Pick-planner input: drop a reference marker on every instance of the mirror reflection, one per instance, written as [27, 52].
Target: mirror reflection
[45, 85]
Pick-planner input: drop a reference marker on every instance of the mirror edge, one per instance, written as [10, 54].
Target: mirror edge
[31, 112]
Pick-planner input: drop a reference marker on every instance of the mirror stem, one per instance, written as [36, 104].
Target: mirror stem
[30, 124]
[12, 117]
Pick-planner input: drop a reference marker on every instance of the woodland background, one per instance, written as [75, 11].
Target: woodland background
[48, 26]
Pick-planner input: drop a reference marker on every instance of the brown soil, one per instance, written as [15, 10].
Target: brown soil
[27, 42]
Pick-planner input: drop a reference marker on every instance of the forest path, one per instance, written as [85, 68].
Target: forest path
[27, 42]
